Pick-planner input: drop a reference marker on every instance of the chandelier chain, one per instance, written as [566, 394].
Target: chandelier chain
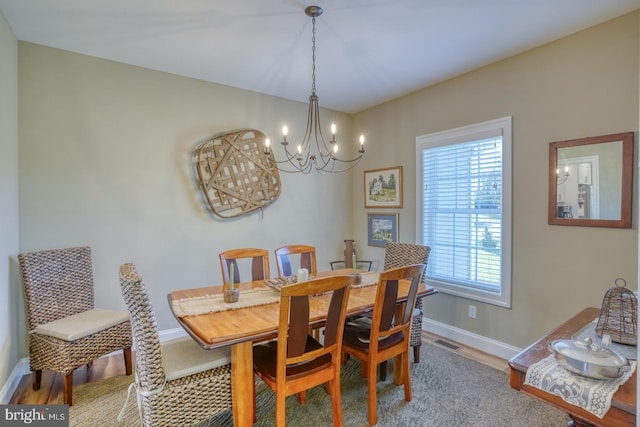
[313, 56]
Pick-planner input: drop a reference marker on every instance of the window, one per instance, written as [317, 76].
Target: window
[464, 209]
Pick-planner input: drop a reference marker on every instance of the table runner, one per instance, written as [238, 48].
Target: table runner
[215, 302]
[368, 279]
[589, 394]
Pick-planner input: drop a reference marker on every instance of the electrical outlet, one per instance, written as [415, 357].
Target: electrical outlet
[472, 311]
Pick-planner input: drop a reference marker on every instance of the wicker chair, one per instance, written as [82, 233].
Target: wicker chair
[400, 255]
[65, 330]
[178, 383]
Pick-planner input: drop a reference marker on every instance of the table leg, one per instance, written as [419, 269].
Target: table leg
[242, 384]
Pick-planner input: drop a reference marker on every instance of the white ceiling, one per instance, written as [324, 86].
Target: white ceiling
[368, 51]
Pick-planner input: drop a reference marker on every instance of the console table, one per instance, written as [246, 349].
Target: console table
[623, 405]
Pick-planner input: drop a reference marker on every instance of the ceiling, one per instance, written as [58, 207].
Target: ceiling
[368, 51]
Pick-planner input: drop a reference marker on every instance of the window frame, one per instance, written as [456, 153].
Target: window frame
[503, 127]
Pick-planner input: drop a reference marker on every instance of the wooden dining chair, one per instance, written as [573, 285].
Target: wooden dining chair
[66, 331]
[259, 264]
[307, 259]
[389, 333]
[296, 361]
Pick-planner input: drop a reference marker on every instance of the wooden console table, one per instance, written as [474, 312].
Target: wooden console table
[623, 405]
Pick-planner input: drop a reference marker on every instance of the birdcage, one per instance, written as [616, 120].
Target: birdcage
[619, 314]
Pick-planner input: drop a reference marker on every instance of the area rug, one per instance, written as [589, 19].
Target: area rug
[448, 390]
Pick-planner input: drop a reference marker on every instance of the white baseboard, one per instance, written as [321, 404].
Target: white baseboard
[22, 367]
[482, 343]
[11, 385]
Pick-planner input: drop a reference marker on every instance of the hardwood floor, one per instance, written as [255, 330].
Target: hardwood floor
[51, 385]
[110, 366]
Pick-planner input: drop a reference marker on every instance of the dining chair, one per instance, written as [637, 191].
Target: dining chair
[389, 333]
[347, 262]
[259, 264]
[398, 254]
[66, 331]
[177, 383]
[296, 361]
[307, 259]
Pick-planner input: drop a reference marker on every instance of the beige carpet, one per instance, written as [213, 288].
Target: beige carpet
[448, 390]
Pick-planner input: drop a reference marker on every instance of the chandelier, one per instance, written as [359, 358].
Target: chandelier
[313, 152]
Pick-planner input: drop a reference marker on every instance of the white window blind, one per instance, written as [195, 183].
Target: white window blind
[462, 211]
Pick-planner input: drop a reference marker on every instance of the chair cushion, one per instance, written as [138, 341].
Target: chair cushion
[182, 357]
[72, 328]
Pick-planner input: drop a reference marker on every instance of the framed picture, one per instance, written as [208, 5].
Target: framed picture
[383, 188]
[383, 228]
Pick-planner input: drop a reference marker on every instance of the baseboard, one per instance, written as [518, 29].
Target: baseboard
[479, 342]
[11, 385]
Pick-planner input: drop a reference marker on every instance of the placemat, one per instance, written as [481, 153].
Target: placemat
[589, 394]
[213, 303]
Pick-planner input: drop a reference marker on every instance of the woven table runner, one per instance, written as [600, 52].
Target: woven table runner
[214, 303]
[589, 394]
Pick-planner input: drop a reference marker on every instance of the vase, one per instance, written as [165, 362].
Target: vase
[231, 295]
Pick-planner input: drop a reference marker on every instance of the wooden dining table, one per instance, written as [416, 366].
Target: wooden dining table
[242, 327]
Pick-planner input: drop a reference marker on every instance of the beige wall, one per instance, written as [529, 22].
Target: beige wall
[105, 162]
[9, 341]
[582, 85]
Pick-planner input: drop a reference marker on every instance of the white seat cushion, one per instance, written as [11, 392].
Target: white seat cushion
[183, 356]
[83, 324]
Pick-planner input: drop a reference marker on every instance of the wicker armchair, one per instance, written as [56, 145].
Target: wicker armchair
[400, 255]
[65, 330]
[178, 383]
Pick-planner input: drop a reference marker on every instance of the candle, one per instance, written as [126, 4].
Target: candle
[231, 276]
[353, 259]
[303, 275]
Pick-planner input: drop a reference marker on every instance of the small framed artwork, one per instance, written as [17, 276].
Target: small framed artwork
[383, 228]
[383, 188]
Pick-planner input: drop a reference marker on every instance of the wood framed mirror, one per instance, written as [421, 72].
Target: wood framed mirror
[591, 181]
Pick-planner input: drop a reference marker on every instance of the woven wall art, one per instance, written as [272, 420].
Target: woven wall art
[234, 173]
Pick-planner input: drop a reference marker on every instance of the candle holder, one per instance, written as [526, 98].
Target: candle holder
[231, 295]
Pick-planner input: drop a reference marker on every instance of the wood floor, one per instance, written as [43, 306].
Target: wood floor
[106, 367]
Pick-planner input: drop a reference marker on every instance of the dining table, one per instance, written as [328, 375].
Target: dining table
[240, 326]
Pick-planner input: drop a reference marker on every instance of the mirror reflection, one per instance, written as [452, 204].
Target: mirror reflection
[590, 181]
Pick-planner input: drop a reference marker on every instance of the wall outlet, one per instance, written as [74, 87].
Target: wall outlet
[472, 311]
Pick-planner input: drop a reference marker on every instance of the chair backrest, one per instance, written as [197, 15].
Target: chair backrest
[259, 264]
[383, 320]
[144, 329]
[294, 322]
[307, 259]
[402, 254]
[57, 283]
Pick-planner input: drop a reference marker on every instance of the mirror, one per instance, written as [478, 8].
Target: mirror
[591, 181]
